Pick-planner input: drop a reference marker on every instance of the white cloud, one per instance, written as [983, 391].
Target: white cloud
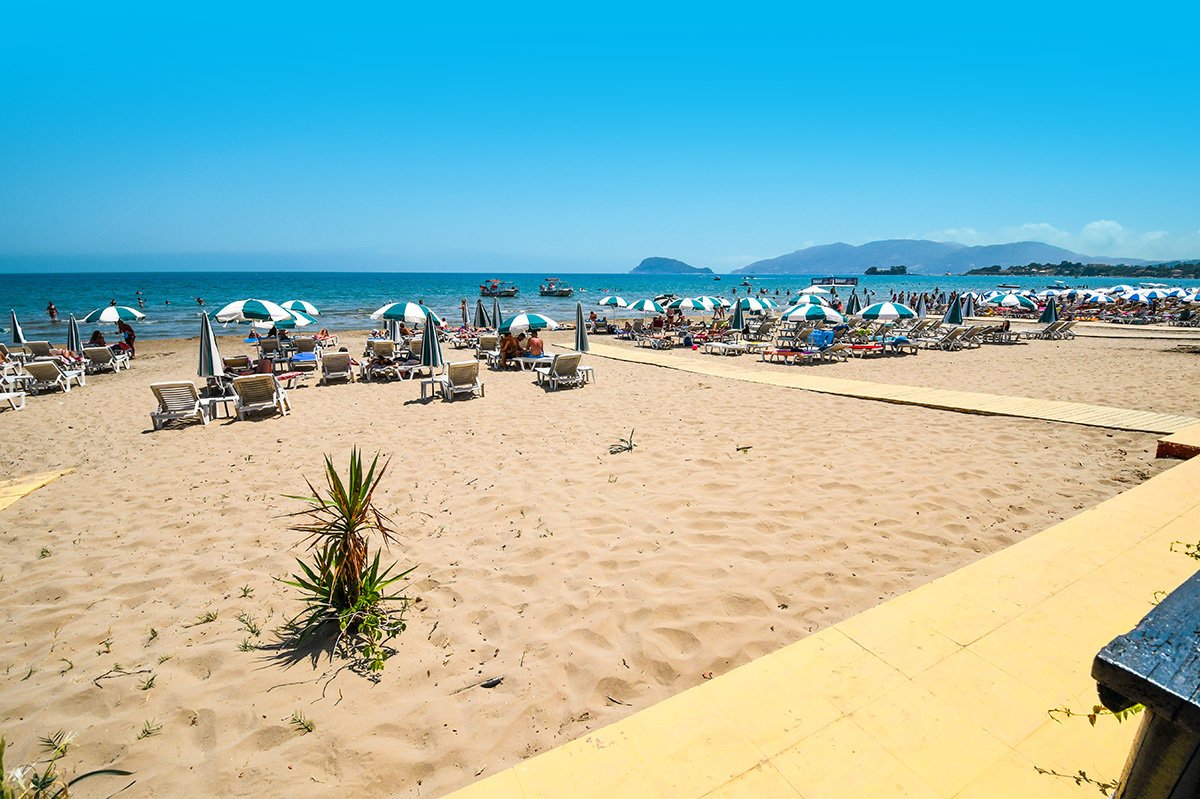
[961, 235]
[1040, 231]
[1103, 235]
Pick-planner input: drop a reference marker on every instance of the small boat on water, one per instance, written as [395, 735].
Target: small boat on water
[496, 288]
[1148, 286]
[716, 277]
[553, 287]
[1008, 286]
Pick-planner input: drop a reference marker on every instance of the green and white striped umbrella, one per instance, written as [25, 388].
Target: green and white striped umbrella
[810, 299]
[613, 301]
[888, 311]
[954, 314]
[751, 304]
[497, 317]
[408, 311]
[581, 337]
[528, 321]
[295, 319]
[211, 363]
[1049, 313]
[74, 340]
[113, 314]
[15, 328]
[646, 306]
[431, 350]
[252, 311]
[302, 306]
[481, 317]
[715, 301]
[770, 303]
[814, 290]
[684, 304]
[811, 312]
[1013, 301]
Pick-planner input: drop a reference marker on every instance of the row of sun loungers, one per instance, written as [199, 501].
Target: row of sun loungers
[33, 369]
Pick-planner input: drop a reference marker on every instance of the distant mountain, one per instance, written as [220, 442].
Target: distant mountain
[920, 256]
[668, 266]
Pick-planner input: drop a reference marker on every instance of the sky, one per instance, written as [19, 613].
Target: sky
[590, 136]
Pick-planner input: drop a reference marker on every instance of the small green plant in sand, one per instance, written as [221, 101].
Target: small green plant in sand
[303, 725]
[42, 779]
[343, 587]
[622, 445]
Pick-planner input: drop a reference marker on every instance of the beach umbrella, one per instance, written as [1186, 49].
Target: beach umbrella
[922, 309]
[409, 312]
[853, 305]
[888, 311]
[770, 303]
[1048, 293]
[211, 363]
[301, 305]
[481, 317]
[811, 312]
[17, 336]
[613, 301]
[74, 340]
[810, 299]
[528, 321]
[1121, 289]
[646, 306]
[113, 314]
[1013, 301]
[1049, 313]
[1099, 299]
[954, 314]
[691, 304]
[497, 318]
[1146, 296]
[431, 350]
[751, 304]
[581, 336]
[1177, 293]
[968, 309]
[251, 311]
[294, 319]
[715, 301]
[814, 290]
[738, 321]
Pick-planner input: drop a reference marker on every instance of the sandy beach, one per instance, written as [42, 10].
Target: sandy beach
[746, 517]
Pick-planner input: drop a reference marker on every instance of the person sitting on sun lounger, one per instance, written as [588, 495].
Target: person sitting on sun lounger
[97, 339]
[509, 349]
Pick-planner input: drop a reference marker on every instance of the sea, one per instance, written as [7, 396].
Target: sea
[346, 299]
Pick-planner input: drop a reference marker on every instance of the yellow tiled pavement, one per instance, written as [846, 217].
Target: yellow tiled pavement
[943, 399]
[15, 488]
[942, 692]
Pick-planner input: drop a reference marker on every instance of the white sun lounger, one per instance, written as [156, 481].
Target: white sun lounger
[260, 393]
[177, 400]
[460, 378]
[562, 371]
[48, 374]
[101, 359]
[336, 366]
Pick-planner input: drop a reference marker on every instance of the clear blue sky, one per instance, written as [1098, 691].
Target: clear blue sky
[594, 135]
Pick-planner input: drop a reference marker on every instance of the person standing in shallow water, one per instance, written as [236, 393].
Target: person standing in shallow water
[52, 312]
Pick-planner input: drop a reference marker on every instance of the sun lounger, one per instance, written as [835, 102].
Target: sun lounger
[949, 342]
[563, 370]
[10, 391]
[237, 363]
[177, 401]
[381, 348]
[460, 378]
[100, 359]
[260, 393]
[38, 349]
[1050, 331]
[336, 366]
[306, 344]
[863, 350]
[48, 374]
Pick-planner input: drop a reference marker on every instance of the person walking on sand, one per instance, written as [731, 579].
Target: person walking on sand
[52, 312]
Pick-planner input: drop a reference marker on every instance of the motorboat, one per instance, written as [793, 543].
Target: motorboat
[553, 287]
[497, 288]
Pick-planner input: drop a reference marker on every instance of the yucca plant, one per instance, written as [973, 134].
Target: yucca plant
[344, 585]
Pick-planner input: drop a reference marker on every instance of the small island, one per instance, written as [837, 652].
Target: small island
[668, 266]
[1182, 270]
[890, 270]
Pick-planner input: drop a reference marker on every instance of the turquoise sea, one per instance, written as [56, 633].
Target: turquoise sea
[346, 299]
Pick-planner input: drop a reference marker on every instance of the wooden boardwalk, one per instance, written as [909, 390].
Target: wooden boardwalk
[943, 399]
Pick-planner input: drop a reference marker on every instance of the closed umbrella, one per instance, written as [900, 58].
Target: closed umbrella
[853, 305]
[738, 321]
[954, 314]
[887, 311]
[968, 309]
[251, 311]
[922, 310]
[497, 319]
[1049, 313]
[74, 340]
[528, 321]
[17, 336]
[211, 363]
[481, 317]
[431, 349]
[301, 305]
[113, 314]
[581, 336]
